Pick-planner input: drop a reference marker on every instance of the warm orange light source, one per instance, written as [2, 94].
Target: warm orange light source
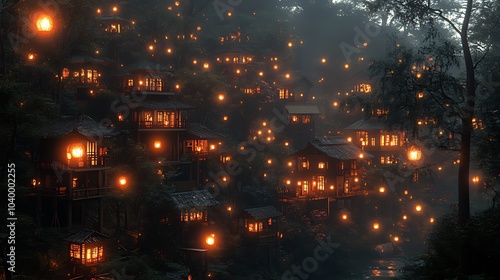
[157, 144]
[76, 151]
[210, 239]
[376, 226]
[418, 208]
[396, 239]
[44, 23]
[122, 181]
[381, 190]
[475, 179]
[221, 97]
[344, 217]
[414, 153]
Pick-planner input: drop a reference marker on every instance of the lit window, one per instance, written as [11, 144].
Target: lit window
[154, 84]
[321, 165]
[295, 118]
[321, 183]
[130, 82]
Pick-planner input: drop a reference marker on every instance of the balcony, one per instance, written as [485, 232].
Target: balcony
[76, 194]
[177, 124]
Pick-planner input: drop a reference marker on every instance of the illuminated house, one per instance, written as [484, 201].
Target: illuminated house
[88, 247]
[237, 65]
[83, 74]
[301, 122]
[193, 214]
[326, 167]
[293, 87]
[378, 139]
[114, 24]
[260, 225]
[72, 169]
[201, 144]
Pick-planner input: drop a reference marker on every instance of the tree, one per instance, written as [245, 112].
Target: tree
[458, 19]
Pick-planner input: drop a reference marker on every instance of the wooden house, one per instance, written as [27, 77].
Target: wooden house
[326, 167]
[201, 145]
[300, 122]
[83, 75]
[72, 168]
[193, 213]
[376, 137]
[293, 87]
[88, 247]
[260, 225]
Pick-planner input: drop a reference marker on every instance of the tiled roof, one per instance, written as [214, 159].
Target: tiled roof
[334, 147]
[203, 132]
[302, 108]
[370, 124]
[86, 236]
[168, 104]
[82, 124]
[195, 199]
[261, 213]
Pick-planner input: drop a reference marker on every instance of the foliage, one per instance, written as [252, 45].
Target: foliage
[441, 258]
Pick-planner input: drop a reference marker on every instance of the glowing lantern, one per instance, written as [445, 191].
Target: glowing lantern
[381, 190]
[346, 66]
[414, 153]
[344, 217]
[115, 9]
[157, 144]
[323, 60]
[418, 208]
[221, 97]
[210, 240]
[376, 226]
[75, 151]
[396, 239]
[475, 179]
[405, 217]
[122, 181]
[44, 23]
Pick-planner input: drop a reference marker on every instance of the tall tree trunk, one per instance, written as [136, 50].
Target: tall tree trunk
[463, 171]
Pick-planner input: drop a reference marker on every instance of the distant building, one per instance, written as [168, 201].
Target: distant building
[194, 216]
[326, 167]
[376, 137]
[72, 169]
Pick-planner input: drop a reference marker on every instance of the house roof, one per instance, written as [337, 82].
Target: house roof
[203, 132]
[85, 59]
[195, 199]
[295, 78]
[333, 147]
[86, 236]
[370, 124]
[302, 109]
[82, 124]
[261, 213]
[167, 104]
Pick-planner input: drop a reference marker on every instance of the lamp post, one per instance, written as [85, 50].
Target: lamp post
[210, 241]
[123, 184]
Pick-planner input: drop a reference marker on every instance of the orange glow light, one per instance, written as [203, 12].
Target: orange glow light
[44, 24]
